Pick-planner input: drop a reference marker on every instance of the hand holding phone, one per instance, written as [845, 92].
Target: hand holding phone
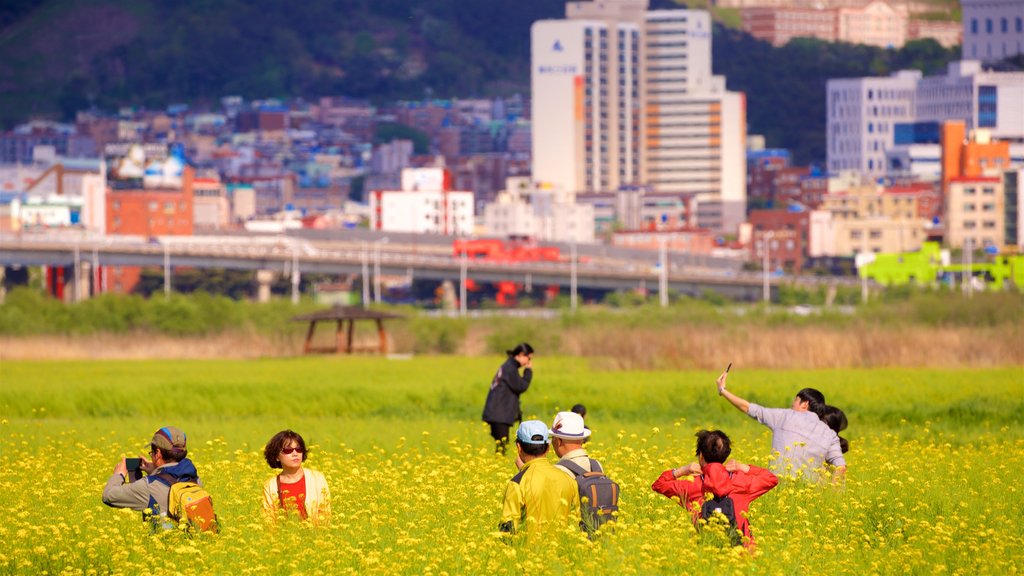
[133, 469]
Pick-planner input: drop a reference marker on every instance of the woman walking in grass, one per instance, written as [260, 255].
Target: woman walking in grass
[296, 490]
[502, 408]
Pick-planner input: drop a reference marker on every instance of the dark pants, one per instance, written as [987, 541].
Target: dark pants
[499, 432]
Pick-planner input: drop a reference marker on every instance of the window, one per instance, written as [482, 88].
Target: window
[988, 224]
[970, 207]
[1004, 25]
[153, 206]
[974, 26]
[988, 191]
[988, 25]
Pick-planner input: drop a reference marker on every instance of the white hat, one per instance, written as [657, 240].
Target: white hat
[569, 426]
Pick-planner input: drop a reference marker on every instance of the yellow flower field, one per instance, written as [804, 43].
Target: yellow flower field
[416, 488]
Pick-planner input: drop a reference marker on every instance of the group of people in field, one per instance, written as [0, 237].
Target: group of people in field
[805, 441]
[295, 491]
[575, 488]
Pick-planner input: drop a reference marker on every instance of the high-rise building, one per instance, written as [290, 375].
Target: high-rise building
[623, 96]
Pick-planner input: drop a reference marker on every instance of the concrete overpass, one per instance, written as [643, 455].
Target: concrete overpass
[595, 269]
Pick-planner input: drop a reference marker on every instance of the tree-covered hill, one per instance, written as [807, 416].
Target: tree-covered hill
[60, 56]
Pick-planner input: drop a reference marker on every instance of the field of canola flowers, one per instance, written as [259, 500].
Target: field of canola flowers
[932, 486]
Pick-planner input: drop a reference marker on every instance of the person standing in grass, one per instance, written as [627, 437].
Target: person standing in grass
[295, 490]
[802, 442]
[740, 483]
[502, 408]
[539, 496]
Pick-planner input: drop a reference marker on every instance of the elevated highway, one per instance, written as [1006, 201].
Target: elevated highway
[397, 257]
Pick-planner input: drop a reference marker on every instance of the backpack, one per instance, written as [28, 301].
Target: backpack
[722, 505]
[187, 501]
[599, 494]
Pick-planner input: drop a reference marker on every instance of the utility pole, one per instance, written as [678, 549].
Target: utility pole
[295, 275]
[463, 269]
[766, 262]
[572, 277]
[167, 268]
[366, 278]
[663, 277]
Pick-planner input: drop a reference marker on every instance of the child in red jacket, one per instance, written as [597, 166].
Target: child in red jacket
[711, 474]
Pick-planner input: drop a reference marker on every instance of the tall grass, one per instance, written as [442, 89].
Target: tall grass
[906, 328]
[417, 489]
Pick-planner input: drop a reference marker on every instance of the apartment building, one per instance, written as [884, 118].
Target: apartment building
[426, 204]
[975, 214]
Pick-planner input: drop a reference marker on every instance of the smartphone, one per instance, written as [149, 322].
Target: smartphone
[728, 367]
[134, 466]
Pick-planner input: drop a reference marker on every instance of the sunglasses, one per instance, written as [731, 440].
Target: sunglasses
[290, 450]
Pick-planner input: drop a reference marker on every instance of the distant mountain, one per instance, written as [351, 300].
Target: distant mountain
[60, 56]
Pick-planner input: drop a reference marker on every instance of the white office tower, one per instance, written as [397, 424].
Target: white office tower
[644, 109]
[862, 114]
[993, 29]
[585, 111]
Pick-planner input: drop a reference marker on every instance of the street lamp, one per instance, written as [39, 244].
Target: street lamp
[376, 269]
[766, 240]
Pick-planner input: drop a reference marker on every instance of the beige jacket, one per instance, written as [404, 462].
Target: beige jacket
[318, 496]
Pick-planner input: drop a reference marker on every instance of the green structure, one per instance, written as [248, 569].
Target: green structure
[925, 267]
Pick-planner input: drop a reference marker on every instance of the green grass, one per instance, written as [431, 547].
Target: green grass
[416, 488]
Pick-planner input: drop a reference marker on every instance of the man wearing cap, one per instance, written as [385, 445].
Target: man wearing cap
[567, 437]
[538, 495]
[169, 452]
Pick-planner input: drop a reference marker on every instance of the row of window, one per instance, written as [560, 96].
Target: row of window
[973, 225]
[1004, 25]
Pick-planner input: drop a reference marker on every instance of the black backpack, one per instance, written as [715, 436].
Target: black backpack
[599, 494]
[722, 505]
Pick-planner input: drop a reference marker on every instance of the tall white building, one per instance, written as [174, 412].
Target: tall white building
[625, 96]
[993, 29]
[863, 112]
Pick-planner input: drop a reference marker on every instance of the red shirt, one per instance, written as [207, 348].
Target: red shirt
[293, 496]
[742, 487]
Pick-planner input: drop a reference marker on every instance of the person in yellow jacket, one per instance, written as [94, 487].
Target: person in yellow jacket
[296, 490]
[539, 496]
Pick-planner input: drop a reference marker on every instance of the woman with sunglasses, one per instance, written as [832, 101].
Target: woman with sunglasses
[296, 490]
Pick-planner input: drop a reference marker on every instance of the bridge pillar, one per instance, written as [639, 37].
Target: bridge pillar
[264, 278]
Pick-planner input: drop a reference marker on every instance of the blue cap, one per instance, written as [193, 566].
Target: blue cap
[532, 432]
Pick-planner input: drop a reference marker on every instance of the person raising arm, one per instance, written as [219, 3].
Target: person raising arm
[740, 404]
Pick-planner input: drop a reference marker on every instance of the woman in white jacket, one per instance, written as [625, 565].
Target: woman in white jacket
[296, 490]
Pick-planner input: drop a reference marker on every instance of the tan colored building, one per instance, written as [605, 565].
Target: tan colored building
[831, 236]
[974, 212]
[876, 24]
[865, 202]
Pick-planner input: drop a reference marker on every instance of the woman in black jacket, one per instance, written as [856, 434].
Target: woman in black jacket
[502, 407]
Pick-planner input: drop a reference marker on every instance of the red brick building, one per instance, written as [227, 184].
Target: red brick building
[788, 234]
[148, 212]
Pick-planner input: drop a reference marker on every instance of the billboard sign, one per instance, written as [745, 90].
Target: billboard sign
[133, 165]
